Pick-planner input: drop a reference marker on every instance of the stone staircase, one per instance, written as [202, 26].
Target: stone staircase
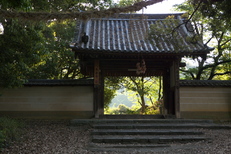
[145, 133]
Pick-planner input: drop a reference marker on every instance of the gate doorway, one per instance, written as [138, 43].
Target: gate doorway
[168, 70]
[133, 95]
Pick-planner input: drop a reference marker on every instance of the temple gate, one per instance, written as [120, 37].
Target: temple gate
[121, 46]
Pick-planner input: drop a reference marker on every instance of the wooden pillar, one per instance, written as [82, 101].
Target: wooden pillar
[174, 84]
[177, 89]
[98, 89]
[166, 92]
[96, 73]
[101, 102]
[96, 106]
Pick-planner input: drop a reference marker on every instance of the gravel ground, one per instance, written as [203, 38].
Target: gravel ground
[57, 137]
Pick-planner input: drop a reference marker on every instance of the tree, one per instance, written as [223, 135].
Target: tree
[127, 2]
[21, 50]
[39, 50]
[59, 62]
[144, 90]
[43, 52]
[214, 29]
[110, 88]
[211, 7]
[59, 14]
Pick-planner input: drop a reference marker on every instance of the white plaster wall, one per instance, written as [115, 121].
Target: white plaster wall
[212, 99]
[47, 98]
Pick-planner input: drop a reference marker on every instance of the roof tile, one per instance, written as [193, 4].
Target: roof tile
[205, 83]
[129, 33]
[63, 82]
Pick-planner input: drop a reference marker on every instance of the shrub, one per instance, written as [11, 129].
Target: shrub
[10, 130]
[121, 109]
[2, 138]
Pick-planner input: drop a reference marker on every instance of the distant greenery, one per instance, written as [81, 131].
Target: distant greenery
[121, 98]
[143, 92]
[10, 130]
[135, 109]
[110, 88]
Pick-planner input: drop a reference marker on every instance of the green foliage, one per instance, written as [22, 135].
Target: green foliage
[110, 88]
[128, 2]
[142, 91]
[135, 109]
[2, 138]
[210, 8]
[152, 110]
[10, 130]
[23, 5]
[21, 49]
[55, 5]
[40, 50]
[121, 98]
[59, 61]
[213, 27]
[121, 109]
[109, 94]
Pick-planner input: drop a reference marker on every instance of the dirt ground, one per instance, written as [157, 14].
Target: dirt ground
[58, 137]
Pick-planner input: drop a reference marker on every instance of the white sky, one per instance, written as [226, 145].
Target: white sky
[1, 29]
[162, 7]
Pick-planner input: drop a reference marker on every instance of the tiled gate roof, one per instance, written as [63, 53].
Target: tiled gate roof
[128, 33]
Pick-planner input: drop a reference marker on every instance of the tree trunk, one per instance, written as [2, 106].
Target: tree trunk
[143, 104]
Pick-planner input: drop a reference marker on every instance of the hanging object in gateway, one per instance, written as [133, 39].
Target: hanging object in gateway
[140, 67]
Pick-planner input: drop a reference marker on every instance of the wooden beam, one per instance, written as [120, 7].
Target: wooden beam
[177, 88]
[96, 72]
[174, 85]
[97, 88]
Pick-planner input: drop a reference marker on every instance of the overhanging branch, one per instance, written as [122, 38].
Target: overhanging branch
[38, 16]
[189, 72]
[216, 64]
[187, 21]
[224, 73]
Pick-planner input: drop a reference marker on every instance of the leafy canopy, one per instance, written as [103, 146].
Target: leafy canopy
[39, 50]
[212, 25]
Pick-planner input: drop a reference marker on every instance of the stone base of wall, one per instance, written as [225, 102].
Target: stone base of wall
[206, 115]
[48, 114]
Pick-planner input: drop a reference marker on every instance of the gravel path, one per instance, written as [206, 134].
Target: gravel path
[57, 137]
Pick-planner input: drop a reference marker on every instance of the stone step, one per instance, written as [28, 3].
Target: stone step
[126, 148]
[144, 132]
[157, 126]
[126, 121]
[134, 116]
[144, 139]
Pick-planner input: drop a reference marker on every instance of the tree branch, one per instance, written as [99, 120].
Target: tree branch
[191, 16]
[216, 64]
[227, 72]
[226, 42]
[209, 39]
[38, 16]
[189, 72]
